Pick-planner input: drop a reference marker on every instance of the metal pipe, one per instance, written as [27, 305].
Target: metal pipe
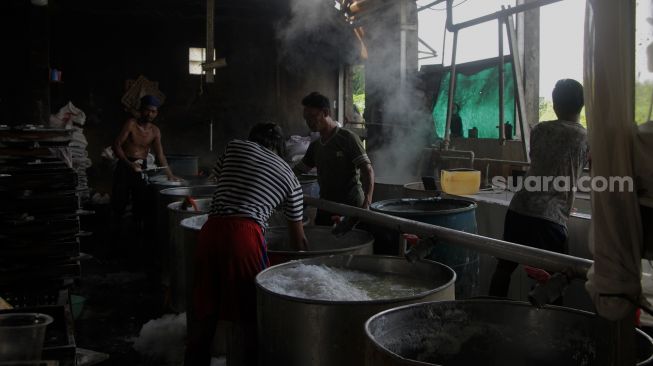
[500, 161]
[452, 90]
[357, 6]
[486, 18]
[341, 94]
[457, 154]
[210, 29]
[402, 44]
[211, 135]
[550, 261]
[518, 76]
[433, 51]
[502, 129]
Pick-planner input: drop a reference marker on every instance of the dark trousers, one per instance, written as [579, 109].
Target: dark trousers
[533, 232]
[130, 186]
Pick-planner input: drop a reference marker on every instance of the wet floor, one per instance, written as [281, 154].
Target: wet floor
[119, 300]
[121, 290]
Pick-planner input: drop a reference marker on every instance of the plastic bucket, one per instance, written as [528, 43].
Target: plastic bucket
[22, 335]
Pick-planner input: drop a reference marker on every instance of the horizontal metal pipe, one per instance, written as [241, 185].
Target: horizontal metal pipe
[451, 27]
[500, 161]
[550, 261]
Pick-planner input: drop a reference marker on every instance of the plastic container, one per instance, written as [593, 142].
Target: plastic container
[22, 335]
[460, 181]
[77, 303]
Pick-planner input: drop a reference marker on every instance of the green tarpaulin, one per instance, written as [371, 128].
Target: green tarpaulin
[477, 95]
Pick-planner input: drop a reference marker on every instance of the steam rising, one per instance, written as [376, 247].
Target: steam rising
[407, 128]
[401, 107]
[315, 31]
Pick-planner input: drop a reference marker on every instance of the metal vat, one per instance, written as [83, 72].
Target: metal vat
[320, 242]
[451, 213]
[299, 331]
[388, 187]
[310, 186]
[159, 182]
[188, 230]
[177, 251]
[166, 197]
[491, 332]
[416, 190]
[183, 165]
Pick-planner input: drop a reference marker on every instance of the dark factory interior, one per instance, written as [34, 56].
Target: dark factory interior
[326, 182]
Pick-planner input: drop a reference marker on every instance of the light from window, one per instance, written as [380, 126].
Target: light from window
[197, 56]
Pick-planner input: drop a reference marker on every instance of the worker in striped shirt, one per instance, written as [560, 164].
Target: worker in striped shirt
[252, 181]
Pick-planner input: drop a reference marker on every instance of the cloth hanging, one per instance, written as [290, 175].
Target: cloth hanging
[616, 229]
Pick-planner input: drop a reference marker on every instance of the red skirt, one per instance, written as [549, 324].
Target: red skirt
[231, 251]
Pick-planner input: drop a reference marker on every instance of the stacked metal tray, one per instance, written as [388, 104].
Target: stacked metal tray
[39, 208]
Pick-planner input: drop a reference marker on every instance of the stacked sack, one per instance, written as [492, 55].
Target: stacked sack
[71, 117]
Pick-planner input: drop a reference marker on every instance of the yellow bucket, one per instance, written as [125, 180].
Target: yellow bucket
[460, 181]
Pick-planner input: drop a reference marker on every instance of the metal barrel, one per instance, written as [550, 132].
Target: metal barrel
[388, 187]
[166, 197]
[492, 332]
[176, 250]
[296, 331]
[416, 190]
[451, 213]
[309, 184]
[320, 242]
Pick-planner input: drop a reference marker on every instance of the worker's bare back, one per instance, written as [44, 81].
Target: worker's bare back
[139, 138]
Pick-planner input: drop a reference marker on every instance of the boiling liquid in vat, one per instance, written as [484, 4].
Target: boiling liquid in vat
[322, 282]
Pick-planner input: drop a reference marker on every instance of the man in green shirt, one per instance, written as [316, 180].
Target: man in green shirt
[344, 171]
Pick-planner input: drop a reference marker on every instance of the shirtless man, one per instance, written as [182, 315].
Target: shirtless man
[131, 147]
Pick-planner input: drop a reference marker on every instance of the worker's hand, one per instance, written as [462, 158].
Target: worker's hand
[366, 204]
[173, 178]
[136, 166]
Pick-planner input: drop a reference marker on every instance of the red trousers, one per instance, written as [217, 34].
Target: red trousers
[230, 253]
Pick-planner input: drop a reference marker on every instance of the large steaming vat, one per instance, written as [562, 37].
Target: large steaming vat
[388, 187]
[296, 330]
[176, 254]
[491, 332]
[320, 242]
[189, 230]
[451, 213]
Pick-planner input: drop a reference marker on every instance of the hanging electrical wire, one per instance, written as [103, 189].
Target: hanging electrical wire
[428, 7]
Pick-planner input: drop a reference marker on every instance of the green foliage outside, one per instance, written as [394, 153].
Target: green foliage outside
[358, 87]
[643, 97]
[359, 102]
